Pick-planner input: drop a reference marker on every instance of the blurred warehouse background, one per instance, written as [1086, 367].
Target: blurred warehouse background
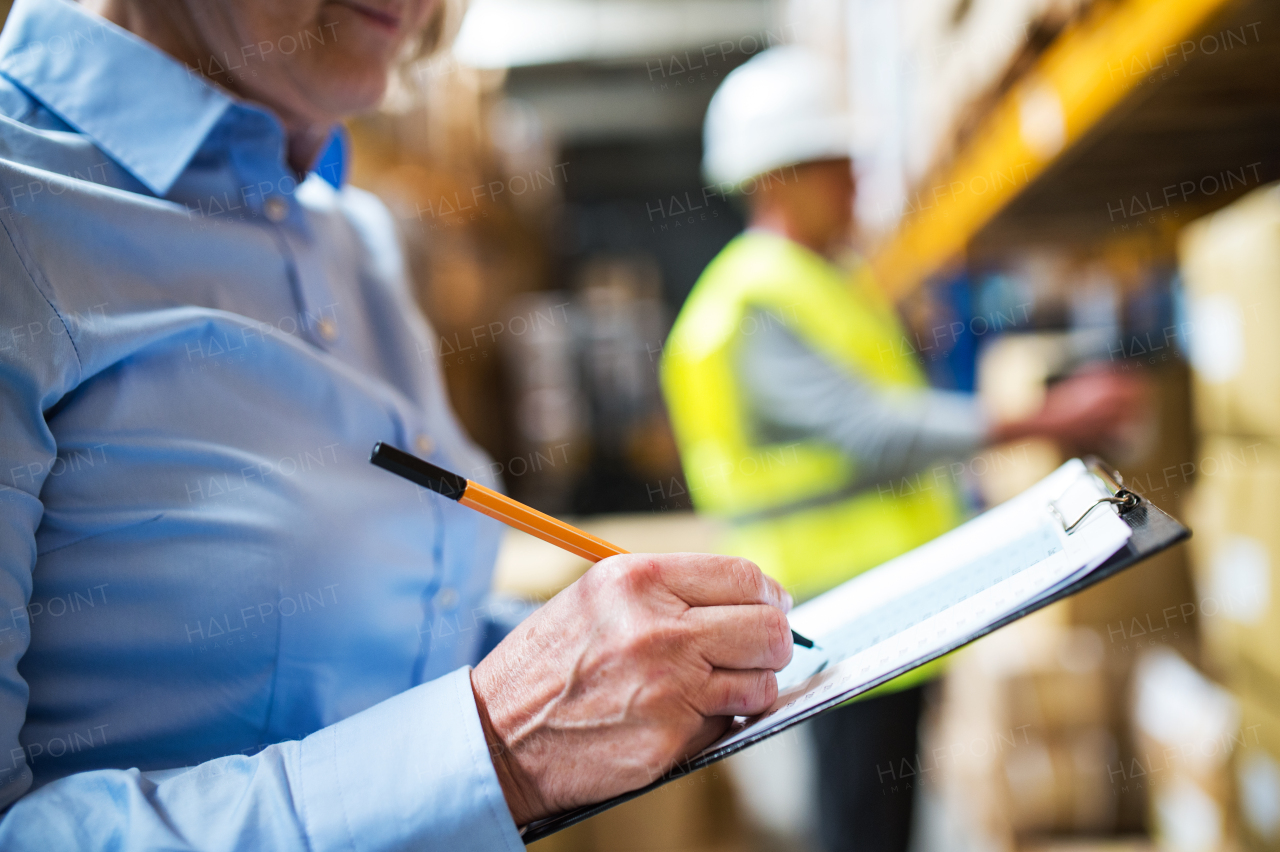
[1042, 184]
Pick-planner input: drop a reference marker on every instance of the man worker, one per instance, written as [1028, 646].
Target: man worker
[797, 409]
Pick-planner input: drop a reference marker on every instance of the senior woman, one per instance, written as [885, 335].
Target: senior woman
[222, 627]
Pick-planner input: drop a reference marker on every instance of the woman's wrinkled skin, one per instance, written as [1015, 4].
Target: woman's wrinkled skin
[311, 62]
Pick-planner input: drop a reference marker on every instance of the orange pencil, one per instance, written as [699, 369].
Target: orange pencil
[473, 495]
[513, 513]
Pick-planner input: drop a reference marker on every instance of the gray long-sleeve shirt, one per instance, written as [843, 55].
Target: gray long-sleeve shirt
[795, 393]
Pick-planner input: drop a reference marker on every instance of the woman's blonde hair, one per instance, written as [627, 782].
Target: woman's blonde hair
[439, 31]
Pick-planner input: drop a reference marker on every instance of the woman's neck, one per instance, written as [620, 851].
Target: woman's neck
[169, 27]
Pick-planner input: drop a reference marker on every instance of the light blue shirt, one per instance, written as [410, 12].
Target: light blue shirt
[220, 626]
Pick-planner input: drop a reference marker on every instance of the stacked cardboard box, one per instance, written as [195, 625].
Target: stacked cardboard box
[1231, 267]
[1093, 844]
[694, 814]
[962, 57]
[1025, 738]
[1230, 264]
[1187, 729]
[1234, 554]
[1257, 776]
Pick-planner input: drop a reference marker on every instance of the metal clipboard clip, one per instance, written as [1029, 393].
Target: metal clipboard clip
[1119, 496]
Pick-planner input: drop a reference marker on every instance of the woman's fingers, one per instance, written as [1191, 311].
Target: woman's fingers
[745, 692]
[740, 637]
[702, 579]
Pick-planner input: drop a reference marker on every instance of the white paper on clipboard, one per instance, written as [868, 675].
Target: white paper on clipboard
[942, 593]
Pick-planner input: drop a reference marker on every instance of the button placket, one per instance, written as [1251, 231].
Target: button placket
[272, 191]
[317, 307]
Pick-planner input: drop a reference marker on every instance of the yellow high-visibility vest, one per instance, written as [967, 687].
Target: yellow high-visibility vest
[790, 506]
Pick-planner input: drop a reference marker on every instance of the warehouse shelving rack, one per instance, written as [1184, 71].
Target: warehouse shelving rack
[1135, 119]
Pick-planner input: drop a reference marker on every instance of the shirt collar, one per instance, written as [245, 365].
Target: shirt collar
[143, 108]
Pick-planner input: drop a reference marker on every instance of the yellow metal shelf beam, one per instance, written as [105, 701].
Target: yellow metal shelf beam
[1085, 73]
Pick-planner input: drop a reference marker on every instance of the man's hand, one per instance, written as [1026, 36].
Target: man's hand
[640, 663]
[1087, 411]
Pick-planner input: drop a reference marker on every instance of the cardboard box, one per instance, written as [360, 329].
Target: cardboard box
[1256, 765]
[696, 813]
[1231, 268]
[1061, 784]
[1023, 743]
[1091, 844]
[1059, 701]
[966, 55]
[1236, 561]
[1012, 371]
[1156, 467]
[1187, 728]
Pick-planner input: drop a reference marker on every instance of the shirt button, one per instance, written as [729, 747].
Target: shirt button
[446, 598]
[328, 329]
[275, 208]
[425, 445]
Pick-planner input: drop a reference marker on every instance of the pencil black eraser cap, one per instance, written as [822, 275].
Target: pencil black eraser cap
[417, 470]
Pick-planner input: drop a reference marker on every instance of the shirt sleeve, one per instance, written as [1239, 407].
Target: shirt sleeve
[411, 772]
[795, 393]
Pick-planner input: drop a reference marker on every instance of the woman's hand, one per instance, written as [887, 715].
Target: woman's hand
[640, 663]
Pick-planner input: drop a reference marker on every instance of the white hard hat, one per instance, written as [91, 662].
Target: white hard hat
[777, 109]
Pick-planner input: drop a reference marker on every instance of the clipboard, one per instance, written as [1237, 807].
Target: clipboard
[1151, 531]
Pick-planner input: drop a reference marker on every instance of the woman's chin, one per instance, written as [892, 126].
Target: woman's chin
[353, 93]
